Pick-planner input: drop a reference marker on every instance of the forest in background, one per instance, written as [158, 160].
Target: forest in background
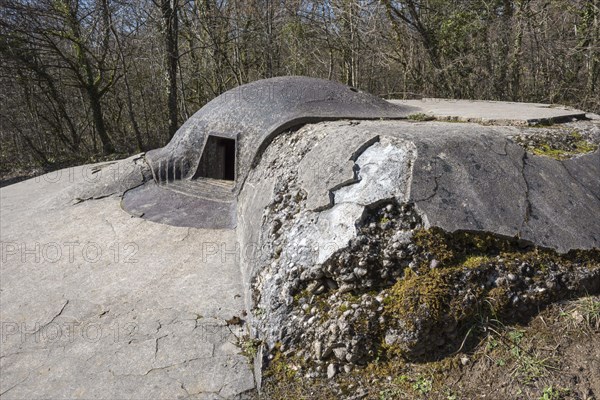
[86, 80]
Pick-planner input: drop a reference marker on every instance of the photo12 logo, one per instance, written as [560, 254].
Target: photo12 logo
[258, 252]
[115, 171]
[54, 252]
[64, 332]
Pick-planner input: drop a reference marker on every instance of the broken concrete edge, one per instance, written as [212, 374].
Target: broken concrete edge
[109, 186]
[592, 116]
[251, 275]
[590, 286]
[509, 122]
[501, 122]
[112, 178]
[488, 112]
[558, 145]
[357, 157]
[364, 150]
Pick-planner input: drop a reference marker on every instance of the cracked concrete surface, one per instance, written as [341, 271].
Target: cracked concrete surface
[474, 178]
[336, 165]
[97, 304]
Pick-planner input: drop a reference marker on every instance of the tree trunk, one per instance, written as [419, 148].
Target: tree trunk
[514, 66]
[593, 52]
[96, 106]
[170, 19]
[134, 124]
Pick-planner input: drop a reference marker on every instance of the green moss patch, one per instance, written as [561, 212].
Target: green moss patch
[476, 276]
[558, 145]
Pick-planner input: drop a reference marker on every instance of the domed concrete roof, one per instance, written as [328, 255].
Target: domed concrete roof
[254, 113]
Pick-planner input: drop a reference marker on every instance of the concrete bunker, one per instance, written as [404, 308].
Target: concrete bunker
[199, 173]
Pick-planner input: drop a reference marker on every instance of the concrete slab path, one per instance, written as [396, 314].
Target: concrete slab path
[97, 304]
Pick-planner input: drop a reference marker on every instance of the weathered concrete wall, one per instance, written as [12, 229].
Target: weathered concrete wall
[305, 201]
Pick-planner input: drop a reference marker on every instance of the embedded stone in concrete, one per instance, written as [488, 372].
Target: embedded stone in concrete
[166, 313]
[453, 176]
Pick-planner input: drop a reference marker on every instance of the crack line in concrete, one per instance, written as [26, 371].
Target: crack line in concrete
[53, 318]
[15, 385]
[528, 205]
[355, 169]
